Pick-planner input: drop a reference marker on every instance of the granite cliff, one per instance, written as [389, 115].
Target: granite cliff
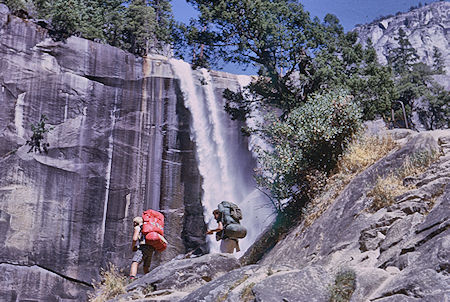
[121, 142]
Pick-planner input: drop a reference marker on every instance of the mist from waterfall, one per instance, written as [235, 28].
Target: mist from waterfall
[221, 162]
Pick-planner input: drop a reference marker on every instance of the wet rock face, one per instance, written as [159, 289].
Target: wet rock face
[43, 285]
[120, 143]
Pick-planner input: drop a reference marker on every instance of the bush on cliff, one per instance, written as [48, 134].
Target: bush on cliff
[37, 140]
[306, 146]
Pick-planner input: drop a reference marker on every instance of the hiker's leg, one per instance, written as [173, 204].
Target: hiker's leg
[148, 253]
[227, 246]
[134, 268]
[137, 258]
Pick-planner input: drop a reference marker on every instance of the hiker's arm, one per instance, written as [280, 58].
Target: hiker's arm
[219, 228]
[135, 237]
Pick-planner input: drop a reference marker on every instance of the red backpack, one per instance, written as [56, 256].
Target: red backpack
[153, 229]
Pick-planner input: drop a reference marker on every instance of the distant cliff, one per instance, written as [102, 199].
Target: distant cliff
[426, 27]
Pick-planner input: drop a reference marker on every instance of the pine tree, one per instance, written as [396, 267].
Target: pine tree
[139, 27]
[66, 18]
[164, 22]
[414, 81]
[92, 20]
[436, 112]
[373, 86]
[438, 61]
[133, 25]
[403, 57]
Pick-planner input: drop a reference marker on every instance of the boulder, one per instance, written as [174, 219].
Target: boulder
[309, 284]
[176, 278]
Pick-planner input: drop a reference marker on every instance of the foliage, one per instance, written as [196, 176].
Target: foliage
[163, 22]
[402, 57]
[305, 145]
[111, 285]
[436, 112]
[348, 64]
[297, 56]
[438, 61]
[414, 81]
[343, 287]
[133, 25]
[66, 18]
[36, 140]
[14, 5]
[139, 27]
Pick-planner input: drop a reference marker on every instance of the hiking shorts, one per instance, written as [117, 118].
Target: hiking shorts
[229, 245]
[144, 253]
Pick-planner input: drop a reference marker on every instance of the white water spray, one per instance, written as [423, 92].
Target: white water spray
[219, 163]
[18, 117]
[109, 166]
[256, 202]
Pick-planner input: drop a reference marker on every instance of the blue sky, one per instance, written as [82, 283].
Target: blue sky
[349, 12]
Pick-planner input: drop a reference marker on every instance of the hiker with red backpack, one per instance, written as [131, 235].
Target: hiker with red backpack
[229, 229]
[147, 238]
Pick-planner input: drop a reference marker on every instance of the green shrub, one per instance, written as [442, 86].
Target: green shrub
[306, 145]
[36, 141]
[343, 287]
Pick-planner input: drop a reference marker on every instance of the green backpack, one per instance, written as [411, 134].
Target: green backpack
[231, 217]
[230, 212]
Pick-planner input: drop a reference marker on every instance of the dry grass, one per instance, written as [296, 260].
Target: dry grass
[417, 163]
[364, 152]
[361, 153]
[247, 294]
[232, 287]
[111, 285]
[387, 189]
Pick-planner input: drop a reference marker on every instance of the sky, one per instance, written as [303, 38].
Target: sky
[349, 12]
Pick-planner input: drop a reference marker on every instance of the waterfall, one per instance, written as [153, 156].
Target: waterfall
[220, 163]
[66, 107]
[18, 117]
[109, 166]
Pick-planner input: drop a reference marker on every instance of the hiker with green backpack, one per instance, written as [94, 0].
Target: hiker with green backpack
[229, 229]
